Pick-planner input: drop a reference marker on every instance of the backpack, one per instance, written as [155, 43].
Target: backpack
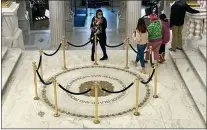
[155, 30]
[165, 32]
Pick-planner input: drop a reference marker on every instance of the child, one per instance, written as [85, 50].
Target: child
[165, 36]
[141, 37]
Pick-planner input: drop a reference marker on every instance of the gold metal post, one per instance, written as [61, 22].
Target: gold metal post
[41, 69]
[149, 64]
[136, 113]
[55, 98]
[155, 80]
[96, 121]
[63, 47]
[35, 81]
[127, 54]
[95, 49]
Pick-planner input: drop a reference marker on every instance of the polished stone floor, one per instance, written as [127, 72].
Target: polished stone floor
[173, 109]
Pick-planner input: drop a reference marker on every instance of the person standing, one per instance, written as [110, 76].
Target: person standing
[165, 36]
[154, 36]
[98, 27]
[178, 11]
[141, 37]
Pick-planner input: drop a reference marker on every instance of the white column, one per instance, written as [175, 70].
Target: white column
[121, 16]
[133, 13]
[57, 21]
[11, 34]
[68, 17]
[23, 18]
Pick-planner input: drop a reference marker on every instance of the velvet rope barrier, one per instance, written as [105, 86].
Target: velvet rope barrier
[54, 52]
[119, 90]
[40, 61]
[38, 74]
[150, 78]
[79, 45]
[73, 92]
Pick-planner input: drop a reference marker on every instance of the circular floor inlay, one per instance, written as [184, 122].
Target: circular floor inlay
[110, 104]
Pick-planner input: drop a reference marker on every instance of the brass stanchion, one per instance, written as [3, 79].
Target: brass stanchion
[95, 63]
[155, 80]
[41, 69]
[96, 121]
[55, 97]
[149, 64]
[63, 47]
[35, 80]
[136, 113]
[127, 54]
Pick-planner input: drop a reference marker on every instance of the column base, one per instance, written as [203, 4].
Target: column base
[16, 41]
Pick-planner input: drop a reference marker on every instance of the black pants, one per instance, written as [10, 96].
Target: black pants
[162, 49]
[102, 42]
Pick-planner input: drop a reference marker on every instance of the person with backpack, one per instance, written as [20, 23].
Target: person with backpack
[154, 36]
[165, 37]
[141, 38]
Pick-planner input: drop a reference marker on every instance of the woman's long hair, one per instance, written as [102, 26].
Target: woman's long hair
[97, 11]
[141, 26]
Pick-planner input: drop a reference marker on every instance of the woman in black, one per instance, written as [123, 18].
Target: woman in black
[98, 26]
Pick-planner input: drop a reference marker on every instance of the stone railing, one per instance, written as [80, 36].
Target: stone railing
[196, 24]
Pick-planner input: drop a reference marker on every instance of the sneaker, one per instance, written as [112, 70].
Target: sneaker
[171, 49]
[181, 49]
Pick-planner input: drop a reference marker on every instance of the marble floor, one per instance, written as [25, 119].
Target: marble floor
[173, 109]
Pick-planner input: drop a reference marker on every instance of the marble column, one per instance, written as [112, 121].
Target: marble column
[68, 19]
[57, 22]
[11, 34]
[121, 16]
[23, 19]
[133, 13]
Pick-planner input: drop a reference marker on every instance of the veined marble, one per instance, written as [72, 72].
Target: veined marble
[173, 109]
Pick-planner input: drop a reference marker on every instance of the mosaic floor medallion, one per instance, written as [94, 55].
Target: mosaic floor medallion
[103, 84]
[110, 104]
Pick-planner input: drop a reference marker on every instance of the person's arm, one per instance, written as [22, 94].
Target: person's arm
[190, 10]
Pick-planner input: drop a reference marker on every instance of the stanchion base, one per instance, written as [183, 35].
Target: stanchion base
[126, 67]
[36, 98]
[64, 68]
[56, 115]
[96, 121]
[155, 96]
[136, 113]
[95, 63]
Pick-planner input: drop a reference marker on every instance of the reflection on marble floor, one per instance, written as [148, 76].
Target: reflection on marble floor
[173, 109]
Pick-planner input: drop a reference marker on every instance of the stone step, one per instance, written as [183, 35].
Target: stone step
[197, 62]
[8, 64]
[191, 80]
[4, 51]
[202, 50]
